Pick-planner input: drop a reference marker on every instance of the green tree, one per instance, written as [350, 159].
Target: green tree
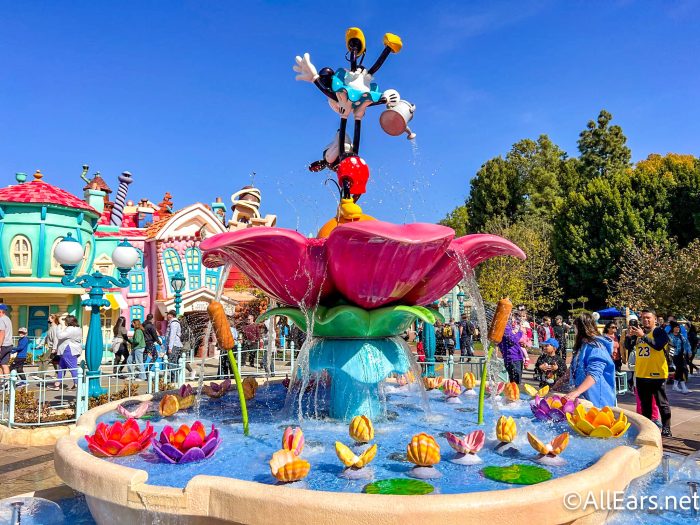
[495, 193]
[603, 147]
[458, 220]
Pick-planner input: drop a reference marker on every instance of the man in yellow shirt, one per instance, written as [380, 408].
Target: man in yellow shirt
[651, 367]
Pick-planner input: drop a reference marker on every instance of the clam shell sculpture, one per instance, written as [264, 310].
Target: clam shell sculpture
[431, 383]
[598, 423]
[469, 444]
[286, 467]
[169, 405]
[506, 429]
[552, 408]
[361, 429]
[469, 381]
[293, 440]
[250, 386]
[186, 444]
[137, 413]
[553, 448]
[217, 390]
[451, 388]
[348, 458]
[119, 439]
[423, 450]
[533, 392]
[511, 392]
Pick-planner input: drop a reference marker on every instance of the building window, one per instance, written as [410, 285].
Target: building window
[104, 265]
[21, 250]
[193, 258]
[137, 276]
[55, 267]
[211, 279]
[86, 259]
[136, 312]
[172, 261]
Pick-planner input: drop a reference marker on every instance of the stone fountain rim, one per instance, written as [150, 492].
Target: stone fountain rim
[239, 501]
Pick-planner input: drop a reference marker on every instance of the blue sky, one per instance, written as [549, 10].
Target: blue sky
[193, 96]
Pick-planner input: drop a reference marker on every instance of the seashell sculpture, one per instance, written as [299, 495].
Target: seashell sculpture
[598, 423]
[533, 392]
[495, 390]
[287, 467]
[469, 382]
[452, 389]
[511, 392]
[119, 439]
[467, 447]
[293, 440]
[361, 429]
[217, 390]
[552, 408]
[405, 379]
[137, 413]
[250, 386]
[424, 452]
[548, 453]
[168, 405]
[431, 383]
[186, 444]
[348, 458]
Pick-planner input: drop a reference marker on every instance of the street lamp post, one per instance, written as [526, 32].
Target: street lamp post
[460, 298]
[177, 282]
[69, 253]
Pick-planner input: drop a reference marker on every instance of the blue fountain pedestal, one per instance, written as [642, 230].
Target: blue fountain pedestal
[356, 367]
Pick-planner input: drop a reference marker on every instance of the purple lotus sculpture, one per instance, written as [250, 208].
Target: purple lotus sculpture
[187, 444]
[552, 408]
[217, 390]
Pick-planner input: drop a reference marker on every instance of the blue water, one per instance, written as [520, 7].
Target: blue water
[247, 458]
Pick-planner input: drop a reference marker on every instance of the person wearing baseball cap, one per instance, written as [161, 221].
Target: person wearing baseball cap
[549, 366]
[5, 339]
[21, 355]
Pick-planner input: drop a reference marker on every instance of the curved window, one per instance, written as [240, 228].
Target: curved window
[137, 276]
[86, 258]
[55, 267]
[193, 258]
[211, 278]
[172, 263]
[136, 312]
[21, 255]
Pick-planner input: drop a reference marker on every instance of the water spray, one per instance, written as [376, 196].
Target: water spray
[498, 326]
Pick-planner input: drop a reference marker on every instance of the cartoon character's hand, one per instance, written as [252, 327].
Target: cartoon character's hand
[392, 97]
[343, 106]
[307, 71]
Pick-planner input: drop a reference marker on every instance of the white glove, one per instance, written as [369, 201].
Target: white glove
[343, 106]
[307, 71]
[392, 97]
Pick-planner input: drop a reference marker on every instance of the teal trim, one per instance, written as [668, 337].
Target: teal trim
[17, 284]
[80, 218]
[137, 312]
[44, 209]
[79, 235]
[40, 250]
[2, 213]
[2, 260]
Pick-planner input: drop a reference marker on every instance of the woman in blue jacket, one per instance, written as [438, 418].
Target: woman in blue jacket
[592, 367]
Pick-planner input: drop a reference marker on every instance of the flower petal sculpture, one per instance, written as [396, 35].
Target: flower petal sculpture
[217, 390]
[361, 429]
[552, 408]
[293, 440]
[506, 429]
[286, 467]
[470, 444]
[431, 383]
[423, 450]
[137, 413]
[533, 392]
[187, 444]
[497, 390]
[119, 439]
[297, 270]
[553, 448]
[350, 459]
[511, 392]
[469, 381]
[598, 423]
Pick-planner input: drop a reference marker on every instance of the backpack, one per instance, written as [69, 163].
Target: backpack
[447, 331]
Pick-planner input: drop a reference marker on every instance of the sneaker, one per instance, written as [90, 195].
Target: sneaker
[684, 388]
[666, 432]
[193, 375]
[675, 387]
[36, 378]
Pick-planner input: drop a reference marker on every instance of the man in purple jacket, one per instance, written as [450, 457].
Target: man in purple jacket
[511, 350]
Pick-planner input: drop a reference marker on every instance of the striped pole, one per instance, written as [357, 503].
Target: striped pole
[124, 180]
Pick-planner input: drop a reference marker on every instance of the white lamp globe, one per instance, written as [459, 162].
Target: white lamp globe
[68, 251]
[125, 255]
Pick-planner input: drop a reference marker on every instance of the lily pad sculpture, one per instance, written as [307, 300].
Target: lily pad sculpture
[517, 474]
[399, 487]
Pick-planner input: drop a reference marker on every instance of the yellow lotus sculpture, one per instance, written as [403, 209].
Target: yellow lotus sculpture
[598, 423]
[469, 380]
[553, 448]
[512, 392]
[506, 429]
[533, 392]
[350, 459]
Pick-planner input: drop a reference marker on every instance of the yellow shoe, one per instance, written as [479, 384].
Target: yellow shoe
[355, 33]
[393, 42]
[349, 210]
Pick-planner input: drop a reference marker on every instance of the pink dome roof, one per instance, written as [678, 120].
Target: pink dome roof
[40, 192]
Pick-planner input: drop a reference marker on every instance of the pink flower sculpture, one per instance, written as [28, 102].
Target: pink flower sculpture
[470, 444]
[137, 413]
[119, 439]
[552, 408]
[293, 440]
[185, 390]
[187, 444]
[369, 263]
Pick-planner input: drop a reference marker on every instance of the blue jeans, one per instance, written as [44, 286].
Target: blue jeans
[136, 358]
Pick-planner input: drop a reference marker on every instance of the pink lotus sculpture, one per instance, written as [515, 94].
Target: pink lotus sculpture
[467, 447]
[552, 408]
[293, 440]
[187, 444]
[119, 439]
[413, 264]
[137, 413]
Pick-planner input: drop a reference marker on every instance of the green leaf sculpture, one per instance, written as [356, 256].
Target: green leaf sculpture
[399, 487]
[517, 474]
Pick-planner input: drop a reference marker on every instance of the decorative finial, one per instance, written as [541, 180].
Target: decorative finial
[20, 177]
[38, 175]
[83, 175]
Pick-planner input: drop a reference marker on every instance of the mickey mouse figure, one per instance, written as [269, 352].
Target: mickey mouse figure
[349, 91]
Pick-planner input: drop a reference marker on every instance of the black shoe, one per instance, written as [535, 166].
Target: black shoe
[666, 432]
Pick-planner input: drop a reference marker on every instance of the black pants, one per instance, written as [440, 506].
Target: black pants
[561, 352]
[224, 365]
[250, 348]
[679, 361]
[515, 371]
[18, 364]
[691, 366]
[649, 389]
[120, 356]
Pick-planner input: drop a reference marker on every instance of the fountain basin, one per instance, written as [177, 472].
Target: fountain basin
[114, 490]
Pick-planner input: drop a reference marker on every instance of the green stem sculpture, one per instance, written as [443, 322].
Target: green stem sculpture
[241, 395]
[482, 386]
